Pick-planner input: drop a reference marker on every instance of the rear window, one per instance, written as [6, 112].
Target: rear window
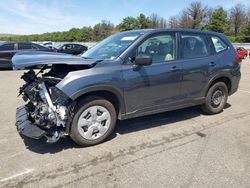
[193, 46]
[7, 47]
[219, 45]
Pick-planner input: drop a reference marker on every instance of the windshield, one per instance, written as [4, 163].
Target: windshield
[111, 47]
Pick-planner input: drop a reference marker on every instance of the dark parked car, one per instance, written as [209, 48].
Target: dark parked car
[74, 49]
[130, 74]
[8, 49]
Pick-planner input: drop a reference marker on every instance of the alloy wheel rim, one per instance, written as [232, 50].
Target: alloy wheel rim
[94, 122]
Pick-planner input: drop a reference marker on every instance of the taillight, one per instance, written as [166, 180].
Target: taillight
[239, 58]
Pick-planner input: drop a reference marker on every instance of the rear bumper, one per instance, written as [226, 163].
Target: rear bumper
[25, 127]
[234, 84]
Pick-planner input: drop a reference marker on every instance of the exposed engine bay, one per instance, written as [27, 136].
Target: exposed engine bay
[47, 111]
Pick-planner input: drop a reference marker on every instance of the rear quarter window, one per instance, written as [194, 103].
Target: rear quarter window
[218, 44]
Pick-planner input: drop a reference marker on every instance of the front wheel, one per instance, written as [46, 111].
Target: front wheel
[93, 122]
[216, 98]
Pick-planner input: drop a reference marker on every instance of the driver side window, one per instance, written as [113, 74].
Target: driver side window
[161, 48]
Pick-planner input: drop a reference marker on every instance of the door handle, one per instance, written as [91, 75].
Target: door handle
[175, 69]
[212, 64]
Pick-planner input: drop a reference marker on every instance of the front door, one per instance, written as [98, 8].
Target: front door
[155, 86]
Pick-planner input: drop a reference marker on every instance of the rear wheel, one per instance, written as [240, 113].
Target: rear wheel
[216, 98]
[93, 122]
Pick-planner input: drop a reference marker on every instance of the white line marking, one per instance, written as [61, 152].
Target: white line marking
[16, 175]
[244, 91]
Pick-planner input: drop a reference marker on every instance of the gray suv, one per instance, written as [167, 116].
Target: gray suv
[127, 75]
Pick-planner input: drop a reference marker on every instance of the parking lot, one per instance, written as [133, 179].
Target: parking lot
[183, 148]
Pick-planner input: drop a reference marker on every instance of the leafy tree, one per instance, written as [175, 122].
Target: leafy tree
[196, 16]
[129, 23]
[102, 30]
[144, 21]
[87, 34]
[247, 29]
[219, 21]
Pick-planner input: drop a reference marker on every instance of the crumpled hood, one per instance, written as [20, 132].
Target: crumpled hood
[23, 60]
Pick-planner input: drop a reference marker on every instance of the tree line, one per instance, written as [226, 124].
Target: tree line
[235, 23]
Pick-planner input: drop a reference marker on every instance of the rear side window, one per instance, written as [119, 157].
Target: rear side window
[23, 46]
[67, 47]
[7, 47]
[219, 45]
[193, 46]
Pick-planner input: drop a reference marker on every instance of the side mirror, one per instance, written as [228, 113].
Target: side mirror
[142, 60]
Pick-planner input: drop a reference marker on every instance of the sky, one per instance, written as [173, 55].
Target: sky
[39, 16]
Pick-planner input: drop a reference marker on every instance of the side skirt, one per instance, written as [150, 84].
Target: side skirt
[163, 108]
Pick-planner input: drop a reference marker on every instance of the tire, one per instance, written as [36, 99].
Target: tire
[88, 129]
[213, 106]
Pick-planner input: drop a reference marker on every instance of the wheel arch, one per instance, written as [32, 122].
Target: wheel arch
[220, 78]
[111, 94]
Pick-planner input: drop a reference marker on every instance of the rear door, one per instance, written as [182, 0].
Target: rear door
[6, 53]
[77, 49]
[197, 64]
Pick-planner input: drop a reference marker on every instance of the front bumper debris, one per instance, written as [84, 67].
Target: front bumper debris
[25, 127]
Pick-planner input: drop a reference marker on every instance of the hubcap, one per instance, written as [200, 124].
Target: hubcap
[217, 98]
[94, 122]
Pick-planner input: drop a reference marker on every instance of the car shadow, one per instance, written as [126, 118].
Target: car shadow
[122, 127]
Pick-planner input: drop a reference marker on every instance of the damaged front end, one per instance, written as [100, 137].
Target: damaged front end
[47, 110]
